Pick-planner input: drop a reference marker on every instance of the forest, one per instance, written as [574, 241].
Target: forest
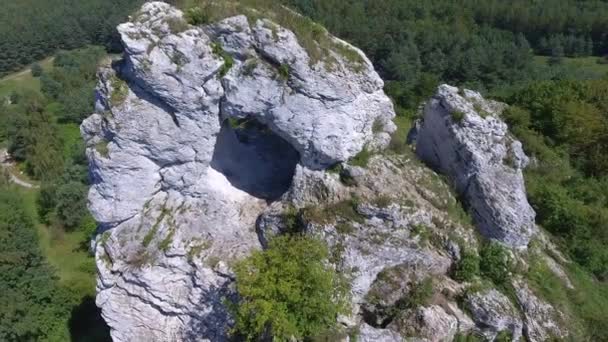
[546, 59]
[32, 30]
[40, 131]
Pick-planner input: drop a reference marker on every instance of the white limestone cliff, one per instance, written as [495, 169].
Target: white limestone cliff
[177, 188]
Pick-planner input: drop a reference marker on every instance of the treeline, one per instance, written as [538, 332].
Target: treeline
[34, 305]
[32, 29]
[540, 21]
[578, 26]
[560, 45]
[416, 44]
[564, 127]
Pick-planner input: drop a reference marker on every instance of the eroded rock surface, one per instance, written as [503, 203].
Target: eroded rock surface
[431, 323]
[368, 333]
[462, 136]
[495, 313]
[542, 321]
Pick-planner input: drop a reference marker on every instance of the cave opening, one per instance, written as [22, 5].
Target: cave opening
[254, 159]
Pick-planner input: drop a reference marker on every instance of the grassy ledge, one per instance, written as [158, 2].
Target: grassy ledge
[313, 37]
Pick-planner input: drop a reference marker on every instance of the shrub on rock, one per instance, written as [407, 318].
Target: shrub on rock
[288, 290]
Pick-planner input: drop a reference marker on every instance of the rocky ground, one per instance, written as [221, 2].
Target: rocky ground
[207, 141]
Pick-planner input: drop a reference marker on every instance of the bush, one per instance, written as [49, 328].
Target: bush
[102, 148]
[361, 159]
[504, 336]
[71, 204]
[284, 72]
[458, 116]
[196, 16]
[120, 91]
[36, 70]
[602, 60]
[228, 63]
[468, 266]
[45, 201]
[15, 97]
[467, 338]
[515, 116]
[218, 50]
[495, 263]
[177, 25]
[421, 293]
[287, 291]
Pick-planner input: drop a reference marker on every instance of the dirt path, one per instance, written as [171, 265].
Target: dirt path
[16, 75]
[27, 70]
[6, 163]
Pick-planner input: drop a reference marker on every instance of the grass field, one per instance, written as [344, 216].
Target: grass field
[70, 134]
[23, 80]
[584, 66]
[67, 252]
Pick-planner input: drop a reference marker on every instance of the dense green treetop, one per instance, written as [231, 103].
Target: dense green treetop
[288, 290]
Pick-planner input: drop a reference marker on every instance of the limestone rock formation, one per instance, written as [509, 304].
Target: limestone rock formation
[195, 130]
[208, 141]
[463, 137]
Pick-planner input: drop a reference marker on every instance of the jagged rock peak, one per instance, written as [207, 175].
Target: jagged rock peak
[462, 136]
[328, 111]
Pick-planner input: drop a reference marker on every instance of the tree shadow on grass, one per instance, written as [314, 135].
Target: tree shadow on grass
[86, 323]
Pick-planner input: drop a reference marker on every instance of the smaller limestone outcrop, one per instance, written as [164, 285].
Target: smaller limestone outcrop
[368, 333]
[495, 312]
[462, 136]
[432, 323]
[541, 320]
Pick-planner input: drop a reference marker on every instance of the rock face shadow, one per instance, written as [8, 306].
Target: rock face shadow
[86, 324]
[254, 159]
